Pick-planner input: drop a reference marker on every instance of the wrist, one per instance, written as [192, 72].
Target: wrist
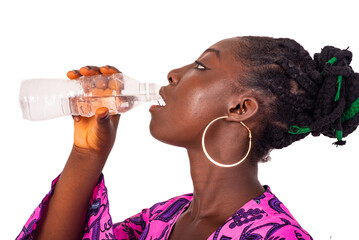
[87, 159]
[89, 154]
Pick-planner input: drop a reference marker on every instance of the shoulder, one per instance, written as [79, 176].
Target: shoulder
[278, 227]
[267, 217]
[274, 208]
[290, 232]
[277, 220]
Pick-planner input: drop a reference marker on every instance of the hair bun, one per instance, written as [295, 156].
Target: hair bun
[300, 96]
[343, 57]
[339, 89]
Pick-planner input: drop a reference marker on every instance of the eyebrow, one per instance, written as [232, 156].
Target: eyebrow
[216, 51]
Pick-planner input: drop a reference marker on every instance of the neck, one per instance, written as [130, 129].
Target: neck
[219, 192]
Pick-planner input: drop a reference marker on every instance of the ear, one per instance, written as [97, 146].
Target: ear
[242, 108]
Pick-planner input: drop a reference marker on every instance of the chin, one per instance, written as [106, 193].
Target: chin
[153, 131]
[157, 132]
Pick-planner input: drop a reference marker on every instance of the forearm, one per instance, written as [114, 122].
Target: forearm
[64, 216]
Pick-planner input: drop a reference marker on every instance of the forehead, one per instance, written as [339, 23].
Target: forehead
[225, 43]
[225, 51]
[226, 46]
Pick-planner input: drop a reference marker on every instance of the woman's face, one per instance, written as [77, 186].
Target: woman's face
[196, 94]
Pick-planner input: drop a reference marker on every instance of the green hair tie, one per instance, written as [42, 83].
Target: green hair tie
[333, 60]
[339, 82]
[351, 111]
[340, 78]
[298, 130]
[339, 135]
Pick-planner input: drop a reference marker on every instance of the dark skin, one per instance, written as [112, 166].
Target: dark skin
[196, 94]
[94, 137]
[194, 98]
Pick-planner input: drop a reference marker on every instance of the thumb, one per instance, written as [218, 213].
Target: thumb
[102, 116]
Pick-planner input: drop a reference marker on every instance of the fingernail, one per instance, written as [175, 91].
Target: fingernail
[104, 114]
[103, 117]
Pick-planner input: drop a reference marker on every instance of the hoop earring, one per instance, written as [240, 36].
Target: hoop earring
[220, 164]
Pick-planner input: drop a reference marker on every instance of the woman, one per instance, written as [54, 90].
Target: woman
[240, 99]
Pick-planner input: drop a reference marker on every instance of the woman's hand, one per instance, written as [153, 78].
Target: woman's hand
[63, 217]
[95, 135]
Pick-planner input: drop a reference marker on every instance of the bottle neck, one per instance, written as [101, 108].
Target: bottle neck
[150, 91]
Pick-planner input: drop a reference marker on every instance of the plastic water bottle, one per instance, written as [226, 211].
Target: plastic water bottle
[42, 99]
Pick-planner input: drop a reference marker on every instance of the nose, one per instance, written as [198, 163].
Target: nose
[173, 77]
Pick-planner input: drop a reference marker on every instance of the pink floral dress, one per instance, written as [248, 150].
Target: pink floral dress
[263, 218]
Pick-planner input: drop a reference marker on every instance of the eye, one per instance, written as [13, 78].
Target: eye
[200, 66]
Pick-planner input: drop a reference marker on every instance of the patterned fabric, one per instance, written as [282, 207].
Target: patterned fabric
[263, 218]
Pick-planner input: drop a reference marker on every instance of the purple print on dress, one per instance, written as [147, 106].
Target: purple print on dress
[274, 203]
[263, 218]
[172, 210]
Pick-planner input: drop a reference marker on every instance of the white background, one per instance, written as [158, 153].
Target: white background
[145, 39]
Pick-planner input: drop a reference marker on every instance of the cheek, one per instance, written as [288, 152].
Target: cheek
[205, 104]
[182, 123]
[187, 113]
[191, 109]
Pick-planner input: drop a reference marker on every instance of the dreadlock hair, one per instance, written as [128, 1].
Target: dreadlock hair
[302, 95]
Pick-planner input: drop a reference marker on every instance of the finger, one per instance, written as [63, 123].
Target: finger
[74, 74]
[89, 70]
[109, 70]
[102, 115]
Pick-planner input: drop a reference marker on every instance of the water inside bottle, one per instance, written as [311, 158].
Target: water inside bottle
[87, 106]
[42, 99]
[102, 91]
